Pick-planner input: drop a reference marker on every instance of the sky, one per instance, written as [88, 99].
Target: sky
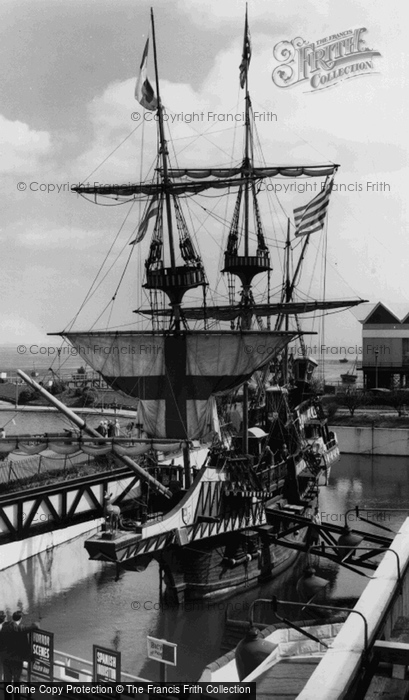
[68, 70]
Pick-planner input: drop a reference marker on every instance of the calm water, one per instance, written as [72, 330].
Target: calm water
[328, 366]
[80, 601]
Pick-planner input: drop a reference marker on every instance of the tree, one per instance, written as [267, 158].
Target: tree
[57, 387]
[352, 399]
[398, 398]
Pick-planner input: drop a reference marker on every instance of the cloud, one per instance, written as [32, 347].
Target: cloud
[22, 149]
[47, 237]
[14, 329]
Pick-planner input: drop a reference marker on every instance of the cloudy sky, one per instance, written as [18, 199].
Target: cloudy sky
[68, 70]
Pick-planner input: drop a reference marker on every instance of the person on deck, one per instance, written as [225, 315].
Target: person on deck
[17, 646]
[267, 459]
[101, 428]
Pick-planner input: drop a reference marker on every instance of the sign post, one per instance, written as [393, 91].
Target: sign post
[106, 665]
[41, 662]
[164, 652]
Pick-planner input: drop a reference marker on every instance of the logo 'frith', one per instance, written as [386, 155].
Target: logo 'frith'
[325, 62]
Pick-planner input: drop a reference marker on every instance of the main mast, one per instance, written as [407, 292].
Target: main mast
[246, 266]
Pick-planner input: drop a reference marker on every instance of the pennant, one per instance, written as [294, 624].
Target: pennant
[311, 218]
[151, 211]
[144, 91]
[245, 61]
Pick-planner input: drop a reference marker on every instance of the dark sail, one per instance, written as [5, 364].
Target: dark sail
[175, 376]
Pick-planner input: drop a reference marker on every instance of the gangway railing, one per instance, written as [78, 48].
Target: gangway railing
[70, 668]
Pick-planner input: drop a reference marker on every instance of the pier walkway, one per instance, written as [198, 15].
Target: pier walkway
[367, 659]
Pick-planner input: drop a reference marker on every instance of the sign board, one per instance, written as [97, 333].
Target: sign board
[161, 650]
[42, 654]
[106, 665]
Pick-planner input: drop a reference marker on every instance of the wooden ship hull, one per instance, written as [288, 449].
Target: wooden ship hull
[225, 565]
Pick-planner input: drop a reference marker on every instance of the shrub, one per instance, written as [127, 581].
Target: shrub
[89, 396]
[26, 396]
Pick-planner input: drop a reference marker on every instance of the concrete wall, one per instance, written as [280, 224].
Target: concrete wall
[368, 440]
[381, 603]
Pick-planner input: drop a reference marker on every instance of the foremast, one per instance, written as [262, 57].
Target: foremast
[175, 280]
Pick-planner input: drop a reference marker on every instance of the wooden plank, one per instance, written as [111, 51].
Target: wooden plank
[387, 689]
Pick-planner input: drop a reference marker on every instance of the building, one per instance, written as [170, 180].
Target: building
[385, 349]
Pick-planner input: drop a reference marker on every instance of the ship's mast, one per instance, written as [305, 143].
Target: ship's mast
[163, 150]
[248, 163]
[177, 279]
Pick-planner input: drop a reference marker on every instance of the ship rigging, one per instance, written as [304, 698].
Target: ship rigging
[213, 536]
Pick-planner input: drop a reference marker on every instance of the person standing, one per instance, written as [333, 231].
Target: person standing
[101, 428]
[314, 529]
[17, 646]
[2, 643]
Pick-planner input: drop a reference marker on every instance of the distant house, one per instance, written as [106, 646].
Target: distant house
[385, 349]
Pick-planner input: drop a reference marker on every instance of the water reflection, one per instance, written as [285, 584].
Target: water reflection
[82, 604]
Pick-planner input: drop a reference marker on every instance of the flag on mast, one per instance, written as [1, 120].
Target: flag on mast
[311, 218]
[151, 211]
[144, 91]
[245, 61]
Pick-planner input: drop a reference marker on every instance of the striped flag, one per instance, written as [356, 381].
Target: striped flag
[311, 218]
[245, 61]
[144, 91]
[151, 211]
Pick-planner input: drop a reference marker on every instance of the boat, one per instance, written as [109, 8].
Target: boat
[214, 381]
[343, 359]
[350, 377]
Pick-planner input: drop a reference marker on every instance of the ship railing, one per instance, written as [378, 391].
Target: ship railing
[272, 474]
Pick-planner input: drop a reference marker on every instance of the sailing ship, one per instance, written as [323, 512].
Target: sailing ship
[213, 535]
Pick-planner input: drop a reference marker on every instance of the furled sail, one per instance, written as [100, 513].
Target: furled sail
[175, 376]
[197, 180]
[230, 313]
[266, 171]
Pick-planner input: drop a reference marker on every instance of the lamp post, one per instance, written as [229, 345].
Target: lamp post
[376, 368]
